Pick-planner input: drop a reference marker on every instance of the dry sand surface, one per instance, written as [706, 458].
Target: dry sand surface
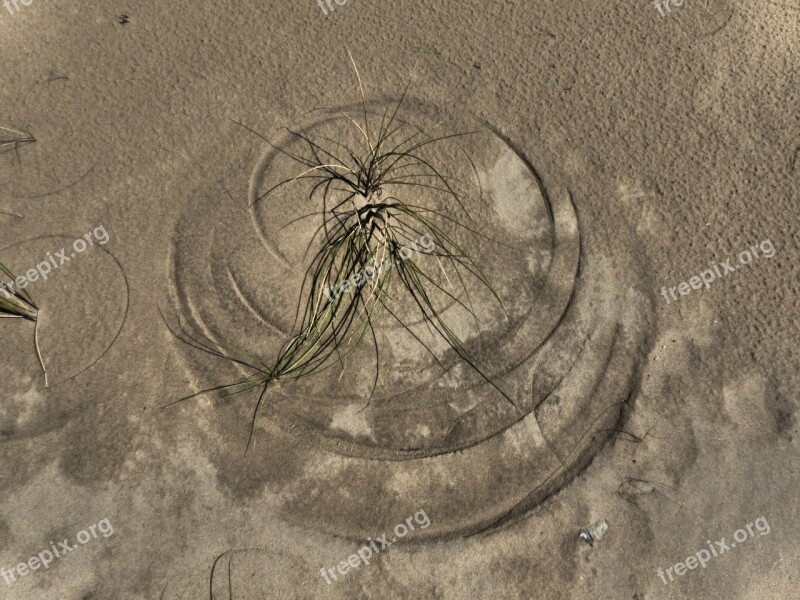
[596, 399]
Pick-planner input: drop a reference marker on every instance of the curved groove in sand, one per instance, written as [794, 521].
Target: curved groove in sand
[242, 296]
[48, 297]
[61, 189]
[122, 322]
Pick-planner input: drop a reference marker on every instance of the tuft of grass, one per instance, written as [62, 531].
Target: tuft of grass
[366, 219]
[18, 304]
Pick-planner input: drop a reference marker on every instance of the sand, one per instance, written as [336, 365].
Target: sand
[617, 151]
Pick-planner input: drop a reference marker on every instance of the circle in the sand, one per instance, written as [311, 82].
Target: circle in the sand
[59, 159]
[78, 320]
[435, 432]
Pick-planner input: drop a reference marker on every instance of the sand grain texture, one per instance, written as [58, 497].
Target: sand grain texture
[617, 152]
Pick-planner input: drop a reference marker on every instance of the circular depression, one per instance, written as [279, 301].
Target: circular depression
[566, 347]
[423, 403]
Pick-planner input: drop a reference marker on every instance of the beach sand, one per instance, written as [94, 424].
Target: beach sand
[616, 152]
